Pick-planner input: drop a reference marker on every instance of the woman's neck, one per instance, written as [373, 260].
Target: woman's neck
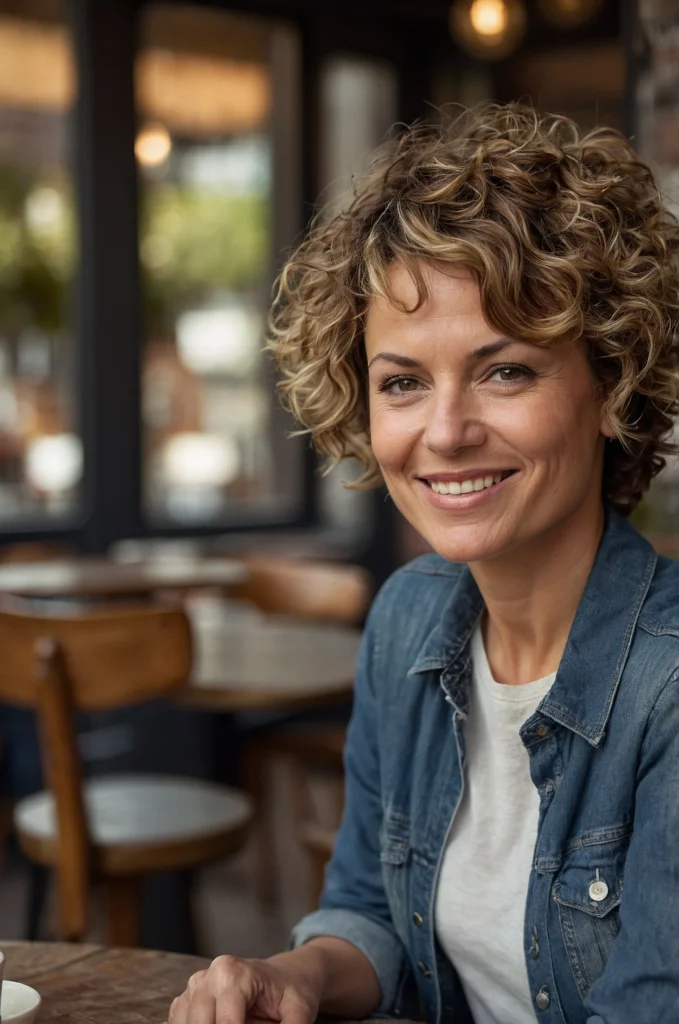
[531, 598]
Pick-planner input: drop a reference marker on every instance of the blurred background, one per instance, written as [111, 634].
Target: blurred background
[157, 161]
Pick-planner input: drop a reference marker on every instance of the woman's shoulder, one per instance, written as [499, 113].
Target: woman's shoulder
[413, 599]
[427, 576]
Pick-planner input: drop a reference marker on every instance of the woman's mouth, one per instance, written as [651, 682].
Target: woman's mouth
[470, 485]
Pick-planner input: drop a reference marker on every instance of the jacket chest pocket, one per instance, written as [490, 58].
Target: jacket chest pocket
[395, 857]
[587, 892]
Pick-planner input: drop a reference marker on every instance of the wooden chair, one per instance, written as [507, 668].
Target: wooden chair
[324, 591]
[316, 756]
[35, 551]
[114, 829]
[10, 554]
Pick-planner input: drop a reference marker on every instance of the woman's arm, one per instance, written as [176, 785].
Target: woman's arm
[641, 979]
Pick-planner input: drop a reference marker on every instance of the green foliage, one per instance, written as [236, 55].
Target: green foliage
[36, 262]
[196, 243]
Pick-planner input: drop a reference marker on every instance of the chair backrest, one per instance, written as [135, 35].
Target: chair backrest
[35, 551]
[109, 657]
[313, 590]
[89, 661]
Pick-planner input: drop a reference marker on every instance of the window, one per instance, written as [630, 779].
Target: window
[40, 448]
[358, 111]
[218, 202]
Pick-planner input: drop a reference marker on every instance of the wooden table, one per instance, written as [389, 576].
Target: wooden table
[104, 578]
[256, 662]
[93, 985]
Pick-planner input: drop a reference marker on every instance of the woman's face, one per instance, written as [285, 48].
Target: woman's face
[486, 443]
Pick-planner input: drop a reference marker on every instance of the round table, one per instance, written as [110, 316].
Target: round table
[265, 662]
[104, 578]
[93, 985]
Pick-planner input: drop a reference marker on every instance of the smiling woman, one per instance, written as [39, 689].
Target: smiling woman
[491, 327]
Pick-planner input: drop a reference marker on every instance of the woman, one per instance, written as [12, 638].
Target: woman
[491, 329]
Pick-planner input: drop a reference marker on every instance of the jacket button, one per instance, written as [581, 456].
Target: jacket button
[542, 998]
[424, 970]
[417, 920]
[598, 890]
[542, 730]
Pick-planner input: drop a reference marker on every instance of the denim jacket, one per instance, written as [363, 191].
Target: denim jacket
[603, 750]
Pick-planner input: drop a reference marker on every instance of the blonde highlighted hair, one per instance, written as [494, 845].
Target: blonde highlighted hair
[567, 237]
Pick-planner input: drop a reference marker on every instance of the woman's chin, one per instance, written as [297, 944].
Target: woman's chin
[475, 546]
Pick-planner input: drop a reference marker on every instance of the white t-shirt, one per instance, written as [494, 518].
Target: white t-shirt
[483, 885]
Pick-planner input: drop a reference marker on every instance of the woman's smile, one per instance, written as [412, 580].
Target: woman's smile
[466, 490]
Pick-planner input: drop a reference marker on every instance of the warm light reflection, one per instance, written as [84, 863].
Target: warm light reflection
[55, 463]
[153, 145]
[201, 94]
[200, 460]
[36, 65]
[489, 17]
[489, 29]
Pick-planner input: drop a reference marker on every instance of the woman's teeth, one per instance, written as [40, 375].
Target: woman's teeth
[465, 486]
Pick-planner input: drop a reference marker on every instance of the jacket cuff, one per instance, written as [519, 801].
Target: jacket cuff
[382, 949]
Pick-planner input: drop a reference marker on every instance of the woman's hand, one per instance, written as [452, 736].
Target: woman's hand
[324, 974]
[232, 991]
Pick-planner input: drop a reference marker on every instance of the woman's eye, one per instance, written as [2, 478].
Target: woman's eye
[399, 385]
[511, 374]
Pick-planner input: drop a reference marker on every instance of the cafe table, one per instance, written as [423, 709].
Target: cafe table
[104, 578]
[248, 661]
[97, 985]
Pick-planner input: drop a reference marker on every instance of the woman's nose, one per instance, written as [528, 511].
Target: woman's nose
[453, 423]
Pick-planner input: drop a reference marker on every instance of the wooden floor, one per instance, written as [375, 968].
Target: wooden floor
[228, 918]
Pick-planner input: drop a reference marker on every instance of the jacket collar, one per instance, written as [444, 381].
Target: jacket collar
[598, 644]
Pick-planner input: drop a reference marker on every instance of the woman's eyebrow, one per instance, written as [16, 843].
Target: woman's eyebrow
[479, 353]
[392, 357]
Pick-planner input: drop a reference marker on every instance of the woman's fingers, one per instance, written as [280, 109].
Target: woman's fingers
[231, 1007]
[233, 991]
[202, 1007]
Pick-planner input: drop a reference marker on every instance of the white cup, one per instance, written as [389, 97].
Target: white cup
[19, 1003]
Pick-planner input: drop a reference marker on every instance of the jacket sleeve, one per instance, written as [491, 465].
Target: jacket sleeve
[354, 904]
[641, 979]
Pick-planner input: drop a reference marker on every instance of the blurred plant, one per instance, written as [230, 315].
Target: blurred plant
[36, 253]
[197, 244]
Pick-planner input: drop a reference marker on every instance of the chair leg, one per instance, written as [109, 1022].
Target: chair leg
[38, 884]
[256, 766]
[123, 911]
[318, 861]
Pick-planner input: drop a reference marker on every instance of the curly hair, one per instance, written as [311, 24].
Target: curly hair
[567, 237]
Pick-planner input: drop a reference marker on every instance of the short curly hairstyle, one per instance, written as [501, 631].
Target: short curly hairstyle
[567, 236]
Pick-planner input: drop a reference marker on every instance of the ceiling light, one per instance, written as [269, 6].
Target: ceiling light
[489, 17]
[490, 29]
[152, 145]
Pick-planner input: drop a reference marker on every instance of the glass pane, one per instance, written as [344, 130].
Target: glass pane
[40, 450]
[358, 110]
[215, 92]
